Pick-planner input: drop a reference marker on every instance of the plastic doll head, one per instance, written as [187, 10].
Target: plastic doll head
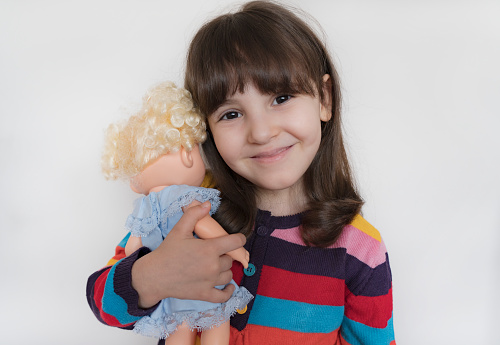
[166, 122]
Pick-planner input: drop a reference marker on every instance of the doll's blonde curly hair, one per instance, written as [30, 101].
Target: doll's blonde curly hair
[166, 121]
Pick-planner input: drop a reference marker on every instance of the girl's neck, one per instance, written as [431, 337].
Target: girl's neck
[282, 202]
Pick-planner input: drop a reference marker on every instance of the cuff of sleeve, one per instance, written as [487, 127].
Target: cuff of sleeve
[123, 283]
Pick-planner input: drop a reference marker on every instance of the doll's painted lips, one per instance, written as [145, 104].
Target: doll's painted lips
[272, 155]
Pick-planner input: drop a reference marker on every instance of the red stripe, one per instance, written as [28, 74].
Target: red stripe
[371, 311]
[237, 269]
[342, 341]
[301, 287]
[99, 289]
[98, 294]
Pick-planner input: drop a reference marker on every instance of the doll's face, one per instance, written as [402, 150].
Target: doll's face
[181, 167]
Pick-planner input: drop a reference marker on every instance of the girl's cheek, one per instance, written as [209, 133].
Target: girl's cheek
[223, 148]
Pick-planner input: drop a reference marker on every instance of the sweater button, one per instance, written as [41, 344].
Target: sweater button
[250, 270]
[262, 230]
[242, 311]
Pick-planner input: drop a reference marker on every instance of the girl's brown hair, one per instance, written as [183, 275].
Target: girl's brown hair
[268, 45]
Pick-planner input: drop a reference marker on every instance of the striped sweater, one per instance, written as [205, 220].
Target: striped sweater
[303, 295]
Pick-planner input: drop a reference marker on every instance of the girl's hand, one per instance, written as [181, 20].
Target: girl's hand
[186, 267]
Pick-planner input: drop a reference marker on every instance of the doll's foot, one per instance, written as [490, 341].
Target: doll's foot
[241, 255]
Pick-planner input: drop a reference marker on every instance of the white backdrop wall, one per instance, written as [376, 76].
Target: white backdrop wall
[421, 82]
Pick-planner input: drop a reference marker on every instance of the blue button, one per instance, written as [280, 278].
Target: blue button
[262, 230]
[250, 270]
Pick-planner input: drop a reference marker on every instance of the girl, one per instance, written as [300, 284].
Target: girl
[157, 151]
[320, 272]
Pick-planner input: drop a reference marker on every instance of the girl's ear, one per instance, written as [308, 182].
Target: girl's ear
[186, 157]
[325, 107]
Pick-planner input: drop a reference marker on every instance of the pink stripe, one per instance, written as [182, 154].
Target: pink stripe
[358, 244]
[291, 235]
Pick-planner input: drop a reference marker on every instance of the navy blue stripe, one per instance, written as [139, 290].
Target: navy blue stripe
[360, 274]
[122, 281]
[327, 262]
[90, 293]
[90, 296]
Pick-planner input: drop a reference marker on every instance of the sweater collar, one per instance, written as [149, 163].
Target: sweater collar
[277, 222]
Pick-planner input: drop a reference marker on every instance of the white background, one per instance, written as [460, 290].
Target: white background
[421, 82]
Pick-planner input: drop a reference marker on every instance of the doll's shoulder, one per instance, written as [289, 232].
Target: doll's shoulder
[183, 195]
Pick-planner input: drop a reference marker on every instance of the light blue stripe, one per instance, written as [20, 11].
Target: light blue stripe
[295, 316]
[113, 304]
[356, 333]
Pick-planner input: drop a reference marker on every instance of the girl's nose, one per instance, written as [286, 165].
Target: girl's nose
[262, 129]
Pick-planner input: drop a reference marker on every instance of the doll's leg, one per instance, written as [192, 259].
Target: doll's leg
[216, 336]
[182, 336]
[132, 245]
[208, 227]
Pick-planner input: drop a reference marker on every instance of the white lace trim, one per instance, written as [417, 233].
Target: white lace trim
[198, 321]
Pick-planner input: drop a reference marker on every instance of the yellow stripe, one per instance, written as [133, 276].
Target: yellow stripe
[208, 180]
[360, 223]
[112, 262]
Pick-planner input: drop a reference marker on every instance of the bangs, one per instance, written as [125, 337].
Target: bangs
[247, 48]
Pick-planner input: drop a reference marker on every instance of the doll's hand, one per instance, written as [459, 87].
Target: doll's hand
[186, 267]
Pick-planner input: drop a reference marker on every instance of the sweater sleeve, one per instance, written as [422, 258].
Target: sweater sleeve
[368, 292]
[110, 294]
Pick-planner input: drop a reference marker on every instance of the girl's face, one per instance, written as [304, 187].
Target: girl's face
[269, 139]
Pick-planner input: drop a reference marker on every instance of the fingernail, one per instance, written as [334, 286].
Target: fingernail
[206, 204]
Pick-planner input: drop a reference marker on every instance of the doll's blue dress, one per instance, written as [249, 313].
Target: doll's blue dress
[153, 217]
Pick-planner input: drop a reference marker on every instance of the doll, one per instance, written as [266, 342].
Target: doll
[157, 150]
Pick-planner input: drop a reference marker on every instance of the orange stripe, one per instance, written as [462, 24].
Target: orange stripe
[119, 254]
[253, 334]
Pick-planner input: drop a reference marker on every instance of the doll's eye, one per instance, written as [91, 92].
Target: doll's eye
[230, 115]
[281, 99]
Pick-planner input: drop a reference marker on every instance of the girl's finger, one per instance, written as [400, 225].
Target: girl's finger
[220, 296]
[226, 262]
[224, 278]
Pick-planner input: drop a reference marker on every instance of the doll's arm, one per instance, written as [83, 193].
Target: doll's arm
[208, 227]
[133, 244]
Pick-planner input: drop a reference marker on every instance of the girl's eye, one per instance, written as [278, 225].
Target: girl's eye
[230, 115]
[281, 99]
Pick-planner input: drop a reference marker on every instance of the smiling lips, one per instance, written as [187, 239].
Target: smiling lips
[272, 155]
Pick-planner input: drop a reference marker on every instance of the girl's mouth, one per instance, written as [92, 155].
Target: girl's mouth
[272, 155]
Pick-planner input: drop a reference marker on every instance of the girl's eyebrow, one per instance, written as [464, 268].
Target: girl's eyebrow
[227, 102]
